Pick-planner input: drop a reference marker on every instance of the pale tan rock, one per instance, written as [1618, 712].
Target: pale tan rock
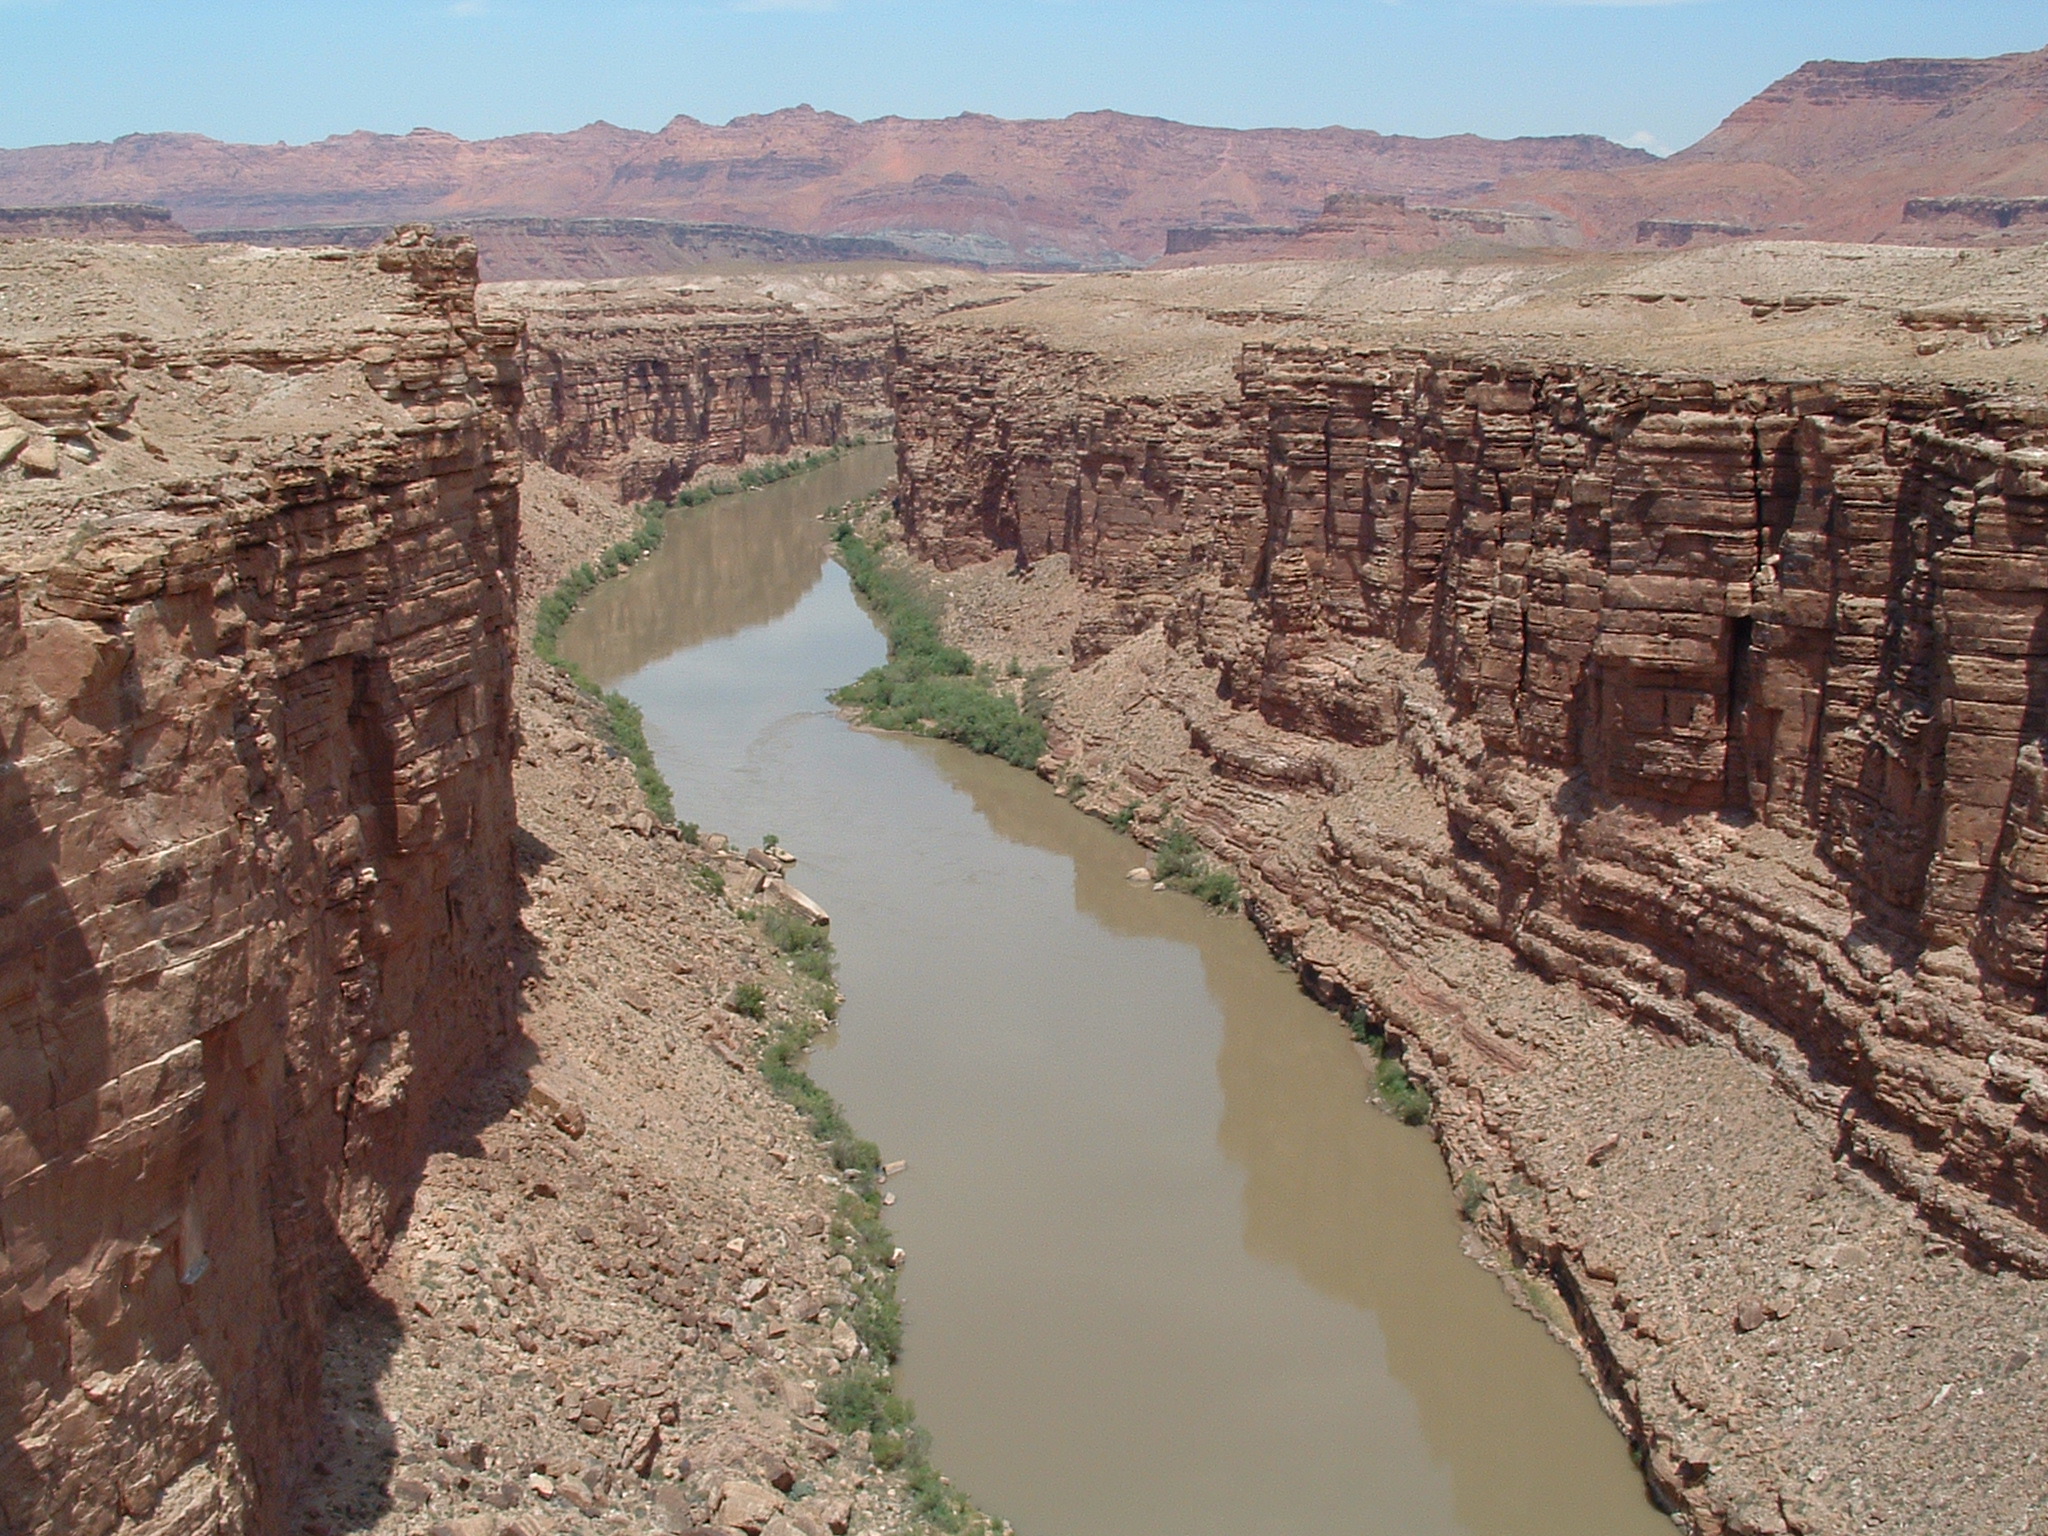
[746, 1506]
[38, 456]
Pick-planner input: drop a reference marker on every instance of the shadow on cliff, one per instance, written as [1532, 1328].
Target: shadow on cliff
[349, 1485]
[53, 1055]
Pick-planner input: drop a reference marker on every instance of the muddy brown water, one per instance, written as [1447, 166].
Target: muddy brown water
[1171, 1270]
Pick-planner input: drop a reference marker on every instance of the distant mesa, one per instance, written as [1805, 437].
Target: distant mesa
[143, 222]
[1363, 224]
[1672, 233]
[1980, 213]
[518, 249]
[1095, 191]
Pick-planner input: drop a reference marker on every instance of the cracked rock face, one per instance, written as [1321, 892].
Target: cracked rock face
[255, 748]
[1731, 688]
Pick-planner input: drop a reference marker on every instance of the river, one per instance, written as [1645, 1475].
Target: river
[1171, 1270]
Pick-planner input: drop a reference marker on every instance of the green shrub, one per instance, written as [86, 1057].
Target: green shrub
[1121, 821]
[750, 1000]
[711, 878]
[1408, 1099]
[1181, 864]
[1471, 1193]
[929, 687]
[808, 945]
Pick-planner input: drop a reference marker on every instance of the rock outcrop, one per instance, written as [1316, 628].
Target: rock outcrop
[95, 221]
[1551, 704]
[255, 604]
[1354, 225]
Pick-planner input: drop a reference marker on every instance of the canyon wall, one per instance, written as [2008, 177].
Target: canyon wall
[641, 384]
[1730, 697]
[256, 912]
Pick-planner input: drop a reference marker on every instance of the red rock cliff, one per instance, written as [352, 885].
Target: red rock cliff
[642, 383]
[256, 904]
[1731, 695]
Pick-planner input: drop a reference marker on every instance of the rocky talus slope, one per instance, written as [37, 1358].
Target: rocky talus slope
[256, 909]
[641, 383]
[1623, 682]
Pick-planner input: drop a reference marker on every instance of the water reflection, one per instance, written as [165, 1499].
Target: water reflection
[729, 565]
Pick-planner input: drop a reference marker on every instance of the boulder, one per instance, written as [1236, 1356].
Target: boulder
[38, 456]
[746, 1506]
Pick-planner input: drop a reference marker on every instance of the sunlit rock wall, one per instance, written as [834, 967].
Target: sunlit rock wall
[256, 896]
[1746, 685]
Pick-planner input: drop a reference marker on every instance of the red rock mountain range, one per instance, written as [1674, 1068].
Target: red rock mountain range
[1916, 150]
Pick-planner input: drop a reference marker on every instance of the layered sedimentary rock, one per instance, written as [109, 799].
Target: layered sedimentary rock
[94, 221]
[641, 384]
[1656, 689]
[1788, 612]
[1841, 151]
[1354, 224]
[1093, 190]
[256, 908]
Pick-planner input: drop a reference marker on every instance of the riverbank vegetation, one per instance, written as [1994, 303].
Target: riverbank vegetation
[863, 1397]
[1407, 1099]
[1181, 864]
[928, 687]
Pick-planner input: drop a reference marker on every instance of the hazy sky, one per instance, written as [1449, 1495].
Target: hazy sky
[1656, 72]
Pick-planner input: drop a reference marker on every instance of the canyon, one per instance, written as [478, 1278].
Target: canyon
[638, 384]
[1614, 678]
[1615, 681]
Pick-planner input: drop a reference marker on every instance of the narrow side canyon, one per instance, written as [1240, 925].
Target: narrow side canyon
[639, 384]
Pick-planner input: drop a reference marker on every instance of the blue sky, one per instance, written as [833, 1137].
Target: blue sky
[1658, 72]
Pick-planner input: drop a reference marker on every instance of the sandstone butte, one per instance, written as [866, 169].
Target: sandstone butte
[1616, 675]
[1915, 151]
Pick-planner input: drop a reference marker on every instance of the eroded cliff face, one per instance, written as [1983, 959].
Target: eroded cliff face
[1656, 757]
[257, 905]
[640, 384]
[1741, 692]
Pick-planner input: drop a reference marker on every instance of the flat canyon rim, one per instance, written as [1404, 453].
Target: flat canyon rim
[1170, 1268]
